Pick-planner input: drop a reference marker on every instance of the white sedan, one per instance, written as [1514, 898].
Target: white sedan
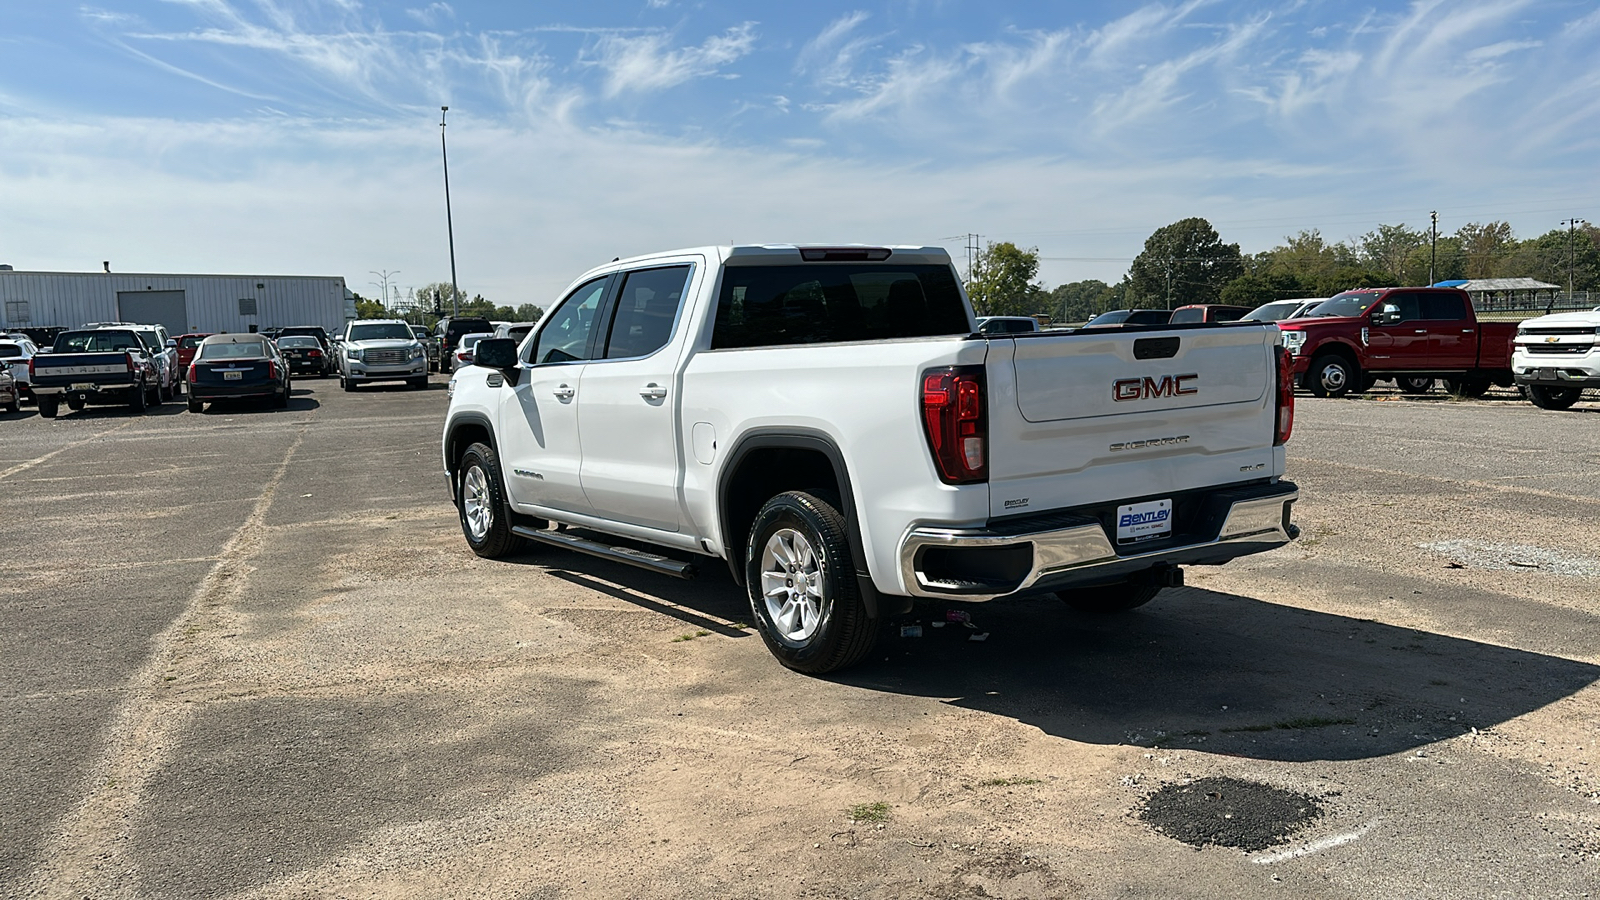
[462, 356]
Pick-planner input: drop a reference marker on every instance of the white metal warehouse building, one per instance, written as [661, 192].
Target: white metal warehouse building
[183, 303]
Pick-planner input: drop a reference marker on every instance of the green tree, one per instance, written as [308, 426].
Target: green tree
[1485, 246]
[1002, 281]
[369, 309]
[1182, 263]
[1080, 301]
[1389, 247]
[1551, 255]
[1448, 262]
[435, 298]
[527, 312]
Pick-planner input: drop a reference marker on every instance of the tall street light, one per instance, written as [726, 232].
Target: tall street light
[1572, 226]
[449, 226]
[385, 275]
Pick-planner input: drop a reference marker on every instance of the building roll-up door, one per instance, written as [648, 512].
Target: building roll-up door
[154, 308]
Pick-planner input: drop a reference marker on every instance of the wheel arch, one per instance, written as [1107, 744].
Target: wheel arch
[812, 461]
[465, 430]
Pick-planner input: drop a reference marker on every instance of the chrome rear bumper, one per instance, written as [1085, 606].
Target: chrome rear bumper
[1247, 522]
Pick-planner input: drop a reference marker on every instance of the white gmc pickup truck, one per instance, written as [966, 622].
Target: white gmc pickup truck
[828, 422]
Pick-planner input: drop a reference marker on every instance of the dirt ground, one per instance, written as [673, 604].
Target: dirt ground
[249, 655]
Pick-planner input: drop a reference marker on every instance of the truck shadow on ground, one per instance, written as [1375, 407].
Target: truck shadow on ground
[1220, 673]
[1194, 669]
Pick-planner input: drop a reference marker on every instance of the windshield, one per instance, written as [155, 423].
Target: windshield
[1350, 303]
[1271, 312]
[230, 350]
[97, 341]
[1114, 317]
[388, 331]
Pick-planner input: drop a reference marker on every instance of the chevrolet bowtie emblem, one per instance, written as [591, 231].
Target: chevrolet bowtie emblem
[1551, 340]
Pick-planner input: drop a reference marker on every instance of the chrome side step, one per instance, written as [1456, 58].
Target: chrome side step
[677, 568]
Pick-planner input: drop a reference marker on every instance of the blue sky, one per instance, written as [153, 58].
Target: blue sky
[301, 136]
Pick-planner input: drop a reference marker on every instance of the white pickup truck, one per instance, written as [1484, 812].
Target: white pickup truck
[1555, 357]
[828, 422]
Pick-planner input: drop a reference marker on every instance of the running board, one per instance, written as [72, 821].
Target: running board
[677, 568]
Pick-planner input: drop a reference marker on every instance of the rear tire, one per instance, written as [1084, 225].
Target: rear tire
[1553, 397]
[75, 404]
[1110, 598]
[802, 586]
[14, 406]
[140, 398]
[281, 401]
[196, 405]
[1414, 385]
[49, 407]
[1332, 375]
[481, 505]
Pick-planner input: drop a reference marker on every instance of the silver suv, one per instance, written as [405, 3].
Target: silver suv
[381, 350]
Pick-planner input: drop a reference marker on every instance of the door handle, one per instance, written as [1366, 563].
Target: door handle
[653, 391]
[1466, 331]
[1420, 331]
[563, 392]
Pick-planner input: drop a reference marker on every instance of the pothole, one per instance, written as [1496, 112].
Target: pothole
[1229, 812]
[1517, 557]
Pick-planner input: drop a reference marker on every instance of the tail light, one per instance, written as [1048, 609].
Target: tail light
[958, 430]
[314, 354]
[1285, 423]
[132, 366]
[30, 368]
[194, 373]
[272, 370]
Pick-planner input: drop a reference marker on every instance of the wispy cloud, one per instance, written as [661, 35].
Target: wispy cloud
[648, 63]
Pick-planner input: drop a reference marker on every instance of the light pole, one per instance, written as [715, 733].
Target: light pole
[450, 228]
[1572, 226]
[385, 275]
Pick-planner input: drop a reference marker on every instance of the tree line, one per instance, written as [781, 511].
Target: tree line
[427, 304]
[1188, 262]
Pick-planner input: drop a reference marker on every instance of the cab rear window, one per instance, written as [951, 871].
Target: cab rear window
[764, 306]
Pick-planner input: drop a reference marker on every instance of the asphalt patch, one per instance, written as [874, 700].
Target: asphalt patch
[1229, 812]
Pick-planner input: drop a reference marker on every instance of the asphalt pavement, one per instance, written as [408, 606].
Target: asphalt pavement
[247, 654]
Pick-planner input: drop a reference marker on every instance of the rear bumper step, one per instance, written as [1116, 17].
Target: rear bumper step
[677, 568]
[985, 563]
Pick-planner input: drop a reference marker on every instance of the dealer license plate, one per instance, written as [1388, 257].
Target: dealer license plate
[1144, 521]
[232, 376]
[82, 386]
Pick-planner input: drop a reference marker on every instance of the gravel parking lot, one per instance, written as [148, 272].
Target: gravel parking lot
[248, 654]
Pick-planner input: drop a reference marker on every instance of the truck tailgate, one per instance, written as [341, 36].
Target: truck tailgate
[1090, 417]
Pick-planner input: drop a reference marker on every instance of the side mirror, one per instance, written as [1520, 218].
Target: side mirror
[172, 343]
[496, 353]
[1388, 314]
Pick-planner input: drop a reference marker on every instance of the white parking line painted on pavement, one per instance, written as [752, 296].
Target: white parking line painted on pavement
[23, 467]
[1317, 846]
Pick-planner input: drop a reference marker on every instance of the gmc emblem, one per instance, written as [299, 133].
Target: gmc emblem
[1149, 388]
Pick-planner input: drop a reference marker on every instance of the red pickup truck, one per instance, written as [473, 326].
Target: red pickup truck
[1412, 335]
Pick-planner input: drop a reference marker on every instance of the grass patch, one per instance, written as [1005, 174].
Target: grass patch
[1007, 782]
[1292, 724]
[690, 637]
[870, 812]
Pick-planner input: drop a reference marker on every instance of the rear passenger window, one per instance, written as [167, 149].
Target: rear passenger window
[646, 307]
[1188, 316]
[764, 306]
[565, 335]
[1447, 307]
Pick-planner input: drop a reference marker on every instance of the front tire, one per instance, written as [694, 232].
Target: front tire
[348, 385]
[1332, 375]
[802, 586]
[481, 505]
[1553, 397]
[419, 383]
[1108, 599]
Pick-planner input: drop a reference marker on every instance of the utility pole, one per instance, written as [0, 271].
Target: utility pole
[1433, 245]
[450, 228]
[1572, 227]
